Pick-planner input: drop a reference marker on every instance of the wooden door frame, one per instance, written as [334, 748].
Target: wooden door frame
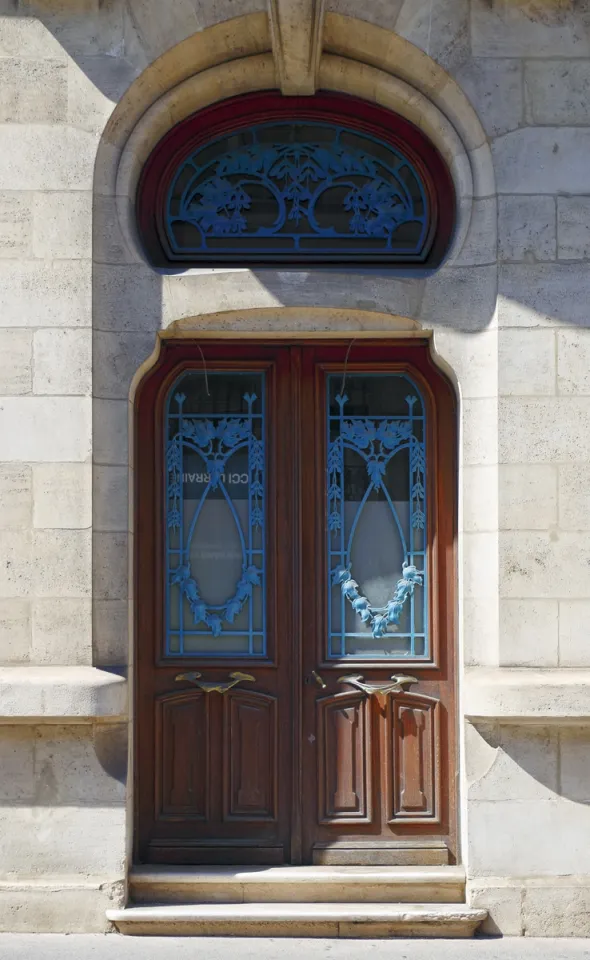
[147, 466]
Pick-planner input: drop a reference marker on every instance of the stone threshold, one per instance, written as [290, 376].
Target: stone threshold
[44, 694]
[296, 884]
[527, 695]
[354, 920]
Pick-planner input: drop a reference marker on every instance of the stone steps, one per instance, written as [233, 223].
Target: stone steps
[199, 885]
[315, 901]
[355, 920]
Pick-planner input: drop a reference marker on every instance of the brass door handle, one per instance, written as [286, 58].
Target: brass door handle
[215, 686]
[318, 679]
[395, 684]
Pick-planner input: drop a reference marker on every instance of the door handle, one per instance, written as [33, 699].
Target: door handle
[395, 684]
[318, 679]
[215, 686]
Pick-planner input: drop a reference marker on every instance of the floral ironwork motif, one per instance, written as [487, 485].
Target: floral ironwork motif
[376, 441]
[382, 617]
[309, 196]
[216, 439]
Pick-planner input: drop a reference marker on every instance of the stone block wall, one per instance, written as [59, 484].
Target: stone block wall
[62, 779]
[528, 807]
[62, 67]
[79, 314]
[62, 823]
[528, 796]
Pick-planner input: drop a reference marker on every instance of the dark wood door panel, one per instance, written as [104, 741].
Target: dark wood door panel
[218, 795]
[250, 756]
[380, 794]
[182, 756]
[344, 760]
[413, 745]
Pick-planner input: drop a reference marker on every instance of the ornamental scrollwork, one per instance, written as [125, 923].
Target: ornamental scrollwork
[374, 193]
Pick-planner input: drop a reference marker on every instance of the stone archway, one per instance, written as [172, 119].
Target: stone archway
[133, 304]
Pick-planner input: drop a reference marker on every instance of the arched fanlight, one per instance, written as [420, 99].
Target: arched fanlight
[265, 179]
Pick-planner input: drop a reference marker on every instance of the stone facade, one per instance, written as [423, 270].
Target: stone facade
[87, 87]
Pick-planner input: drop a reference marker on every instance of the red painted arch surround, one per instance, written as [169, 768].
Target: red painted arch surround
[250, 109]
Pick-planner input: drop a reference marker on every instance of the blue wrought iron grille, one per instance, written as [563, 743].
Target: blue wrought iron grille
[297, 189]
[376, 497]
[215, 516]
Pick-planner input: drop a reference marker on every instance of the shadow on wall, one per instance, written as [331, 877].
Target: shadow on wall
[528, 763]
[107, 44]
[97, 37]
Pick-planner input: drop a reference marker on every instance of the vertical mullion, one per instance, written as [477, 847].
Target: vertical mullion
[343, 552]
[166, 486]
[411, 520]
[302, 611]
[425, 563]
[263, 499]
[249, 549]
[181, 533]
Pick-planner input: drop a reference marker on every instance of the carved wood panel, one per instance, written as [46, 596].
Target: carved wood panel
[344, 759]
[182, 752]
[250, 748]
[414, 750]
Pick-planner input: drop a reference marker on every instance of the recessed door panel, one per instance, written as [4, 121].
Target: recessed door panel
[413, 746]
[250, 739]
[344, 760]
[182, 755]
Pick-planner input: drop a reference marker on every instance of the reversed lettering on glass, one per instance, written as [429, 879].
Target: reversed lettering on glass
[215, 516]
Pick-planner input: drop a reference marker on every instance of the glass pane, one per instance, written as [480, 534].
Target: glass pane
[376, 494]
[280, 189]
[215, 513]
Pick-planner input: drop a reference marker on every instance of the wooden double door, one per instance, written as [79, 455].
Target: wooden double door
[295, 597]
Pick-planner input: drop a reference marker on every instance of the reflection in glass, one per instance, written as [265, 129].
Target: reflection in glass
[215, 515]
[376, 494]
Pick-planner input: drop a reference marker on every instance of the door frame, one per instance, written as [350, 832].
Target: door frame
[145, 523]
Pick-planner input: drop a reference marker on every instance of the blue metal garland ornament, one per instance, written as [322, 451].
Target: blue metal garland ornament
[379, 617]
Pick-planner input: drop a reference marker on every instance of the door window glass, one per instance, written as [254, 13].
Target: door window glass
[376, 497]
[215, 515]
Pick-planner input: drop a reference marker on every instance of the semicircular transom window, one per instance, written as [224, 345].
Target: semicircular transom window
[295, 179]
